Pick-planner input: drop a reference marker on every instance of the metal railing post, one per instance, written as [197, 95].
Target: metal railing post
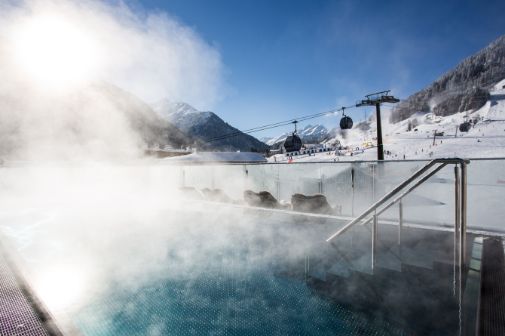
[400, 221]
[374, 241]
[457, 236]
[352, 189]
[463, 181]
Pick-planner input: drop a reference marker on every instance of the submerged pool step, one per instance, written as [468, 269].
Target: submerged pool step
[390, 258]
[418, 247]
[419, 274]
[339, 269]
[352, 252]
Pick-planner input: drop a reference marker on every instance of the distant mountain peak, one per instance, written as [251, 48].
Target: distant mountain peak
[308, 134]
[206, 126]
[168, 106]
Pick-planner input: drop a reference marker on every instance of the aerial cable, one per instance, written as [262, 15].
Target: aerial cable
[279, 124]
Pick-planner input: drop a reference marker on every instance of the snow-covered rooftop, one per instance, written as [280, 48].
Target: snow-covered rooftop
[229, 157]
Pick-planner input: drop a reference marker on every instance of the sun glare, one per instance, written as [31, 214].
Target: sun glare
[54, 52]
[61, 288]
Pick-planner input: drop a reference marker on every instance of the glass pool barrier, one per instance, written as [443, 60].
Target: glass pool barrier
[352, 187]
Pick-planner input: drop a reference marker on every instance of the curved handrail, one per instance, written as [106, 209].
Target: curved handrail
[399, 188]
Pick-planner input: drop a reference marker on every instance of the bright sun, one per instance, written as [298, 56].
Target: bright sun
[54, 52]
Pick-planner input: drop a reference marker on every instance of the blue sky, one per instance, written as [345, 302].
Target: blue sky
[285, 58]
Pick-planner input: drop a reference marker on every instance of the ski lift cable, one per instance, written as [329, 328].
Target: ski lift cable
[270, 126]
[279, 124]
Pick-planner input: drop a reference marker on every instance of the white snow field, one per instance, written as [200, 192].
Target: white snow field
[486, 139]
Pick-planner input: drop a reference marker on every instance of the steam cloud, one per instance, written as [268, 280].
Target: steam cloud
[88, 45]
[81, 228]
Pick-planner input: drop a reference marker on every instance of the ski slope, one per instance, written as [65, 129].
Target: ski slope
[486, 139]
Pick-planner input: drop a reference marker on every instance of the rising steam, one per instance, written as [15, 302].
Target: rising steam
[83, 228]
[57, 57]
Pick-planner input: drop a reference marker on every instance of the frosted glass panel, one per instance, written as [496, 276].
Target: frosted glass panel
[351, 187]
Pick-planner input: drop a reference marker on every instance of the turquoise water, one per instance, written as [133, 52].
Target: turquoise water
[254, 303]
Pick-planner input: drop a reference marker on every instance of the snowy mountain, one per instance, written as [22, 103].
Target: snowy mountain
[155, 131]
[97, 120]
[464, 88]
[425, 135]
[309, 134]
[206, 126]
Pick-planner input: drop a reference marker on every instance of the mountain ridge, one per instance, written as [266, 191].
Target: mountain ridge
[309, 134]
[465, 87]
[207, 126]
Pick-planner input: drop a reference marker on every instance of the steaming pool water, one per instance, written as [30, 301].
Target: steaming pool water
[215, 278]
[254, 302]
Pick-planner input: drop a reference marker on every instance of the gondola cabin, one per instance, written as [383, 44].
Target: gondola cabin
[465, 127]
[346, 122]
[293, 143]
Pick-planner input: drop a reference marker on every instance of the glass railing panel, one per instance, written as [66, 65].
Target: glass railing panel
[351, 187]
[388, 248]
[351, 252]
[486, 194]
[336, 185]
[431, 203]
[348, 186]
[298, 179]
[231, 180]
[263, 178]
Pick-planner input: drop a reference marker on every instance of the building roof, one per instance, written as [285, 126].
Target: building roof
[228, 157]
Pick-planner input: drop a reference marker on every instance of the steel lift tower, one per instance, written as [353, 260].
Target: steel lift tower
[376, 99]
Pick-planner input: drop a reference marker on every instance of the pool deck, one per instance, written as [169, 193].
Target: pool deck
[19, 312]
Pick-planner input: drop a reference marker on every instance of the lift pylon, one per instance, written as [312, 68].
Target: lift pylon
[376, 99]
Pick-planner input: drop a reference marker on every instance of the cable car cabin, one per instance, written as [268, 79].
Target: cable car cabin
[293, 143]
[465, 127]
[346, 122]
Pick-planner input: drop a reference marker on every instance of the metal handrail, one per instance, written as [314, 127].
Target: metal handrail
[399, 188]
[460, 190]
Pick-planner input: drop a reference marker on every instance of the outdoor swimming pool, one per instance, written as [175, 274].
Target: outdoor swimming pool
[139, 258]
[268, 275]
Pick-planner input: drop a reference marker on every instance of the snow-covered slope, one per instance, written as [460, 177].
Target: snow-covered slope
[461, 89]
[486, 138]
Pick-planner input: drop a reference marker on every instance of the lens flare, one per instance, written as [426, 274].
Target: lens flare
[54, 52]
